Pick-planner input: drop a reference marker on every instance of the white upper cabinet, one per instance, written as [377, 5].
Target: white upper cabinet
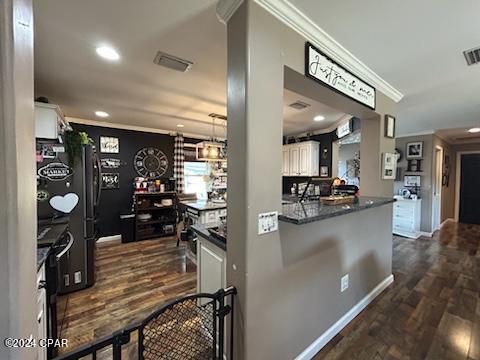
[286, 161]
[301, 159]
[49, 121]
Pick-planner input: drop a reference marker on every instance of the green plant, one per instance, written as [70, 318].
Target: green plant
[74, 141]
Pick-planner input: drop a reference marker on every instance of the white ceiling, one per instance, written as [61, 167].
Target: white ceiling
[134, 91]
[417, 47]
[414, 45]
[459, 136]
[300, 121]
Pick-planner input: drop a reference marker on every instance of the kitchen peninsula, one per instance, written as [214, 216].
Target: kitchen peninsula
[301, 213]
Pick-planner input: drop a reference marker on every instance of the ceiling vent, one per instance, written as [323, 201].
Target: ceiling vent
[472, 56]
[172, 62]
[217, 116]
[299, 105]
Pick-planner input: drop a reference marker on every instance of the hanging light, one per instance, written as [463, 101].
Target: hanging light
[211, 150]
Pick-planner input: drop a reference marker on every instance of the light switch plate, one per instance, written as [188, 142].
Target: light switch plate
[267, 222]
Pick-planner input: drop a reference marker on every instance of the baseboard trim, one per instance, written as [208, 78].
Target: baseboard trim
[328, 335]
[109, 238]
[446, 221]
[426, 233]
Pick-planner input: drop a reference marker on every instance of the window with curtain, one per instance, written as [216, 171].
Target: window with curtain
[196, 178]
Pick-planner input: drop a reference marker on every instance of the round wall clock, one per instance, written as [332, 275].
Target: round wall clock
[150, 162]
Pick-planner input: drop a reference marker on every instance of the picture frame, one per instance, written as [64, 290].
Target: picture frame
[446, 171]
[323, 171]
[389, 166]
[109, 145]
[389, 126]
[414, 150]
[414, 165]
[412, 180]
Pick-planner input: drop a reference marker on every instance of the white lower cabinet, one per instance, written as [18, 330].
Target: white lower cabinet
[406, 217]
[212, 267]
[41, 313]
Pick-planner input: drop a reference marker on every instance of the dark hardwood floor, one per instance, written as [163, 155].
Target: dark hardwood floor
[132, 281]
[431, 311]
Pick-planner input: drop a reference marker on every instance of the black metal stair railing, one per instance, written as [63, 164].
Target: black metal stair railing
[191, 327]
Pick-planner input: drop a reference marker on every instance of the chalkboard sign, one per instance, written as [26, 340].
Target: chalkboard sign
[110, 181]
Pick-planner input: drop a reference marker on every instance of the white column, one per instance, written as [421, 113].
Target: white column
[17, 178]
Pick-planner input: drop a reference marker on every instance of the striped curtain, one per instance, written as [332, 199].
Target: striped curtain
[178, 160]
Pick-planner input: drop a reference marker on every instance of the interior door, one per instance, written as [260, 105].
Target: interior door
[437, 190]
[469, 192]
[294, 161]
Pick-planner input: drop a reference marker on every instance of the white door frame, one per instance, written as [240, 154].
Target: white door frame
[458, 171]
[437, 178]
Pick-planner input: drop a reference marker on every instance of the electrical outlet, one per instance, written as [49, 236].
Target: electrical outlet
[344, 283]
[78, 277]
[66, 279]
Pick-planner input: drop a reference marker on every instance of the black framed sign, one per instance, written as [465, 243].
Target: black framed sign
[324, 70]
[110, 180]
[110, 163]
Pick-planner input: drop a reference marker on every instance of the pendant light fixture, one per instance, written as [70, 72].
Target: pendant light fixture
[212, 150]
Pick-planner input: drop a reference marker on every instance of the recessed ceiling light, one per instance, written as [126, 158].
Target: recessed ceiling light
[474, 130]
[102, 114]
[319, 118]
[180, 125]
[108, 53]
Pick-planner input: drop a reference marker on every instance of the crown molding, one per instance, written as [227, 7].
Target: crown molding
[226, 8]
[74, 120]
[299, 22]
[419, 133]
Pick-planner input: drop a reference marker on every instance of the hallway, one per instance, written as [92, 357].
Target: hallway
[431, 311]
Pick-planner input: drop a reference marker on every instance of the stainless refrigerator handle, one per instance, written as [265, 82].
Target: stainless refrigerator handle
[69, 245]
[99, 180]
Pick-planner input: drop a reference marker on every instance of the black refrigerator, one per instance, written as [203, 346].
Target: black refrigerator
[71, 194]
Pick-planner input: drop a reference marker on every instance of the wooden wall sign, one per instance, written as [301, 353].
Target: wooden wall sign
[110, 181]
[321, 68]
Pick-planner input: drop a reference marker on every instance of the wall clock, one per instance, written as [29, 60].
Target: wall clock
[150, 162]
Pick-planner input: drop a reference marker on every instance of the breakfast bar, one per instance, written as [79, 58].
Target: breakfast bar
[307, 212]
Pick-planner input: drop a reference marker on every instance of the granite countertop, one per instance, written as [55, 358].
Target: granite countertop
[202, 230]
[47, 236]
[42, 254]
[307, 212]
[203, 205]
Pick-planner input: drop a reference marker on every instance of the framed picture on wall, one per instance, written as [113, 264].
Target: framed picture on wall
[389, 126]
[389, 166]
[109, 145]
[323, 171]
[414, 150]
